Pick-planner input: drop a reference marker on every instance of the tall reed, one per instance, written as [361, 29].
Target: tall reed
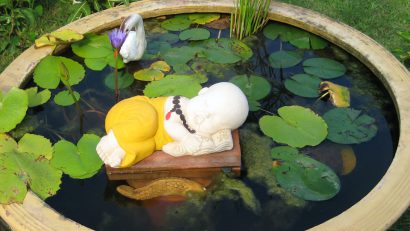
[249, 17]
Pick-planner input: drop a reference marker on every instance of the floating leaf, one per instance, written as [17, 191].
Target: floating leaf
[125, 80]
[297, 126]
[253, 105]
[7, 144]
[273, 31]
[181, 68]
[36, 99]
[148, 74]
[254, 87]
[225, 51]
[194, 34]
[222, 56]
[36, 145]
[324, 68]
[171, 186]
[157, 48]
[58, 37]
[173, 85]
[316, 42]
[79, 161]
[47, 73]
[203, 18]
[303, 85]
[12, 189]
[349, 160]
[206, 67]
[180, 55]
[177, 23]
[93, 46]
[64, 98]
[338, 95]
[161, 66]
[303, 176]
[349, 126]
[95, 64]
[13, 108]
[168, 38]
[285, 59]
[200, 78]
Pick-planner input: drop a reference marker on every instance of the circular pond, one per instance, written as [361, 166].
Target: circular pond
[278, 56]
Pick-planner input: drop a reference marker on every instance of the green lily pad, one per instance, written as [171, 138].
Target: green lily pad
[111, 61]
[180, 55]
[36, 145]
[222, 56]
[254, 87]
[203, 18]
[13, 108]
[168, 38]
[285, 59]
[125, 80]
[161, 66]
[93, 46]
[253, 105]
[157, 48]
[79, 161]
[96, 64]
[37, 98]
[303, 176]
[47, 73]
[297, 127]
[7, 144]
[226, 51]
[194, 34]
[350, 126]
[182, 68]
[64, 98]
[177, 23]
[200, 78]
[303, 85]
[148, 74]
[173, 85]
[324, 68]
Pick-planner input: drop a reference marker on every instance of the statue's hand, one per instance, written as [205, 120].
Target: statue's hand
[110, 151]
[192, 143]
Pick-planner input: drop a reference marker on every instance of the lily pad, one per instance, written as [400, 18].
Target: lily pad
[161, 66]
[177, 23]
[64, 98]
[168, 38]
[303, 85]
[285, 153]
[180, 55]
[58, 37]
[7, 144]
[350, 126]
[305, 177]
[324, 68]
[194, 34]
[13, 108]
[78, 161]
[254, 87]
[47, 73]
[297, 127]
[173, 85]
[338, 95]
[203, 18]
[148, 74]
[96, 64]
[36, 145]
[285, 59]
[125, 80]
[37, 98]
[93, 46]
[226, 51]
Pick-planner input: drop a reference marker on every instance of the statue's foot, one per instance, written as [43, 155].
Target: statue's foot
[110, 151]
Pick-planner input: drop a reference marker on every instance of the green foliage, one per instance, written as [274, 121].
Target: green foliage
[21, 165]
[297, 126]
[65, 98]
[285, 59]
[303, 176]
[303, 85]
[225, 51]
[47, 73]
[249, 17]
[254, 87]
[56, 38]
[37, 98]
[97, 52]
[174, 85]
[324, 68]
[13, 108]
[180, 55]
[349, 126]
[79, 161]
[177, 23]
[125, 80]
[194, 34]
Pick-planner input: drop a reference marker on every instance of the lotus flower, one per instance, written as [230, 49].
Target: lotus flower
[117, 38]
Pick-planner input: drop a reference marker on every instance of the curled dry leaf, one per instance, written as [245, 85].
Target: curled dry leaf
[220, 24]
[339, 95]
[171, 186]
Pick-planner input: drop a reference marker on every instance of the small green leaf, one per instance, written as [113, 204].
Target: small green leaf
[148, 75]
[36, 99]
[95, 64]
[203, 18]
[222, 56]
[125, 80]
[349, 126]
[177, 23]
[285, 59]
[47, 73]
[173, 85]
[64, 98]
[194, 34]
[13, 108]
[297, 127]
[93, 46]
[79, 161]
[36, 145]
[303, 85]
[324, 68]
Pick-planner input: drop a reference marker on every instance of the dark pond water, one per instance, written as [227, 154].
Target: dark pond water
[95, 203]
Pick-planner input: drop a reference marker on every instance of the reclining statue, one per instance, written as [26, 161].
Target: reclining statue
[138, 126]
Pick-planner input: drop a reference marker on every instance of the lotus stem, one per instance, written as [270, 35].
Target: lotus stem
[117, 91]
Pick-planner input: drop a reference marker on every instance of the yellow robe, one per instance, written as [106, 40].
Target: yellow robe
[138, 125]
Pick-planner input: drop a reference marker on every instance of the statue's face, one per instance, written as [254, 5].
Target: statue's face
[220, 107]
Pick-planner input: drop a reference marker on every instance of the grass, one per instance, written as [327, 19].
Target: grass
[380, 19]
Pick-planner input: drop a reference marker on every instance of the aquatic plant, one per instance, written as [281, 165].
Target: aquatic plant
[249, 17]
[56, 38]
[117, 38]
